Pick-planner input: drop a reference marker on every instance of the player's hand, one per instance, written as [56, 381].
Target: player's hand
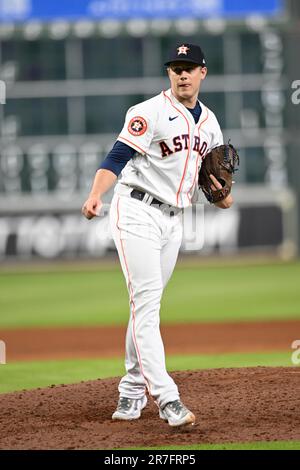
[91, 208]
[216, 184]
[228, 201]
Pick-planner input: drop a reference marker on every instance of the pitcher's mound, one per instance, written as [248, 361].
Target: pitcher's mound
[231, 405]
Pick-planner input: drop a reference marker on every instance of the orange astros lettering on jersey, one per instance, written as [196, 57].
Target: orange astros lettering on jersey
[137, 126]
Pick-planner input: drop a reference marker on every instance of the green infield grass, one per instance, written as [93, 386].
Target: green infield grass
[194, 294]
[271, 445]
[28, 375]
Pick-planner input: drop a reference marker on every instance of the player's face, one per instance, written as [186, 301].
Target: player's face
[186, 80]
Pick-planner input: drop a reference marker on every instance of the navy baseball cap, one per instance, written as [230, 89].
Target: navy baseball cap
[187, 53]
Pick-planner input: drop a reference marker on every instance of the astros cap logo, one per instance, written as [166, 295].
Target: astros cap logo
[183, 50]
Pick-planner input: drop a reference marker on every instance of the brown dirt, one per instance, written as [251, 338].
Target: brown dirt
[213, 338]
[231, 405]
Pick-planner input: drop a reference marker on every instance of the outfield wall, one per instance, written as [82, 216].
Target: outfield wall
[261, 220]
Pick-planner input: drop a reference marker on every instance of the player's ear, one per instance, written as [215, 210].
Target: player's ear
[168, 71]
[203, 72]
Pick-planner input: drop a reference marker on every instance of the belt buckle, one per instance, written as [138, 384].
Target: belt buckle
[167, 209]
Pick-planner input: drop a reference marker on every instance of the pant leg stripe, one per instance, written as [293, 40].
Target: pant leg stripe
[131, 297]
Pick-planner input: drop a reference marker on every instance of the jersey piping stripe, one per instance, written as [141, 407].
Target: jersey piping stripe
[139, 149]
[201, 122]
[131, 297]
[188, 152]
[190, 190]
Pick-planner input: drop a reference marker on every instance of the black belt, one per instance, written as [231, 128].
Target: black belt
[137, 194]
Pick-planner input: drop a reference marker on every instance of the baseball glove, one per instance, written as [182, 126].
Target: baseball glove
[221, 162]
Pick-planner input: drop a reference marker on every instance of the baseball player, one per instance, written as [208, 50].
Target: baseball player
[158, 154]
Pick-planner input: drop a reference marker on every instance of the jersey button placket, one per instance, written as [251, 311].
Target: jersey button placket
[188, 175]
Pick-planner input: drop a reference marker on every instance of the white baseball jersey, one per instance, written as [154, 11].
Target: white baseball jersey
[170, 147]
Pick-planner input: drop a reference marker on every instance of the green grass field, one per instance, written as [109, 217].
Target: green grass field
[208, 293]
[194, 294]
[274, 445]
[28, 375]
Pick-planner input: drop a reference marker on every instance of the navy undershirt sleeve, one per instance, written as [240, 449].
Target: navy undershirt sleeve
[117, 158]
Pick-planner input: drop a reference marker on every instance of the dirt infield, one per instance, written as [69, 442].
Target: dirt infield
[231, 405]
[207, 338]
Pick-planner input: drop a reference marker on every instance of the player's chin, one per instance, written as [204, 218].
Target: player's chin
[186, 91]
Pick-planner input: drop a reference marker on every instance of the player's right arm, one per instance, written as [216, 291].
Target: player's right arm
[103, 181]
[133, 138]
[106, 176]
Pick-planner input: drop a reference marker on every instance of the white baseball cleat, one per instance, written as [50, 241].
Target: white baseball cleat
[177, 414]
[129, 408]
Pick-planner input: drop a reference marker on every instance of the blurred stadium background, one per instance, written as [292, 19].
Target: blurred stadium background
[70, 71]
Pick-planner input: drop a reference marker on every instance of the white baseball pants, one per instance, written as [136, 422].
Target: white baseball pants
[148, 242]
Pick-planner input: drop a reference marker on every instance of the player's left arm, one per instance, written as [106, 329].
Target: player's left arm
[225, 203]
[218, 140]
